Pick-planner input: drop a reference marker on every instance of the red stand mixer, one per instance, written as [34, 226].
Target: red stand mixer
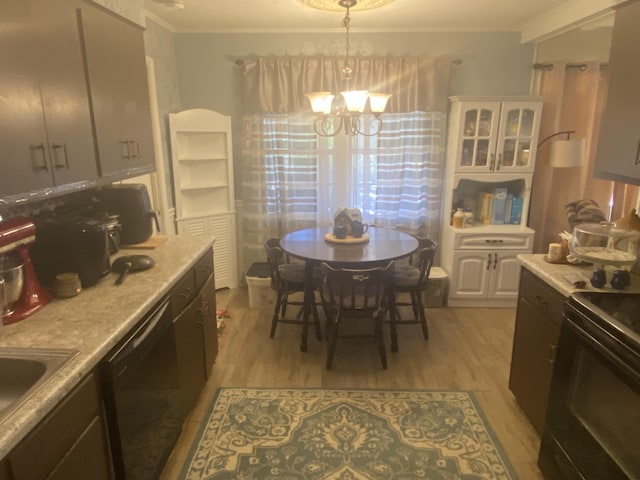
[22, 292]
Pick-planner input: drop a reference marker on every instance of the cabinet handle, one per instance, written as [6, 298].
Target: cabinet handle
[57, 147]
[495, 260]
[126, 149]
[638, 154]
[43, 165]
[492, 162]
[204, 313]
[552, 354]
[499, 162]
[134, 149]
[493, 241]
[540, 300]
[488, 261]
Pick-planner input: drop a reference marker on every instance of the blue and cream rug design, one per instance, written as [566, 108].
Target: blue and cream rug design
[314, 434]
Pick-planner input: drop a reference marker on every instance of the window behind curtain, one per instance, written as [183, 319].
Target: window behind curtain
[294, 179]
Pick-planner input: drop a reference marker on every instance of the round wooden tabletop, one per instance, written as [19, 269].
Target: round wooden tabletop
[384, 245]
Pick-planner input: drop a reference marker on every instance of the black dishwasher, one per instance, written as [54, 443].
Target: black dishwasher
[142, 397]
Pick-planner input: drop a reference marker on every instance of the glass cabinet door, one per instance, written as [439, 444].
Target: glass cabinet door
[480, 124]
[516, 143]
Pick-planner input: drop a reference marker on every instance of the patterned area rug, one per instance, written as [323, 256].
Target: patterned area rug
[288, 434]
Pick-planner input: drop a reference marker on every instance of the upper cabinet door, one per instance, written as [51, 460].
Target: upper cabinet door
[23, 140]
[518, 137]
[495, 136]
[618, 154]
[64, 93]
[478, 129]
[117, 77]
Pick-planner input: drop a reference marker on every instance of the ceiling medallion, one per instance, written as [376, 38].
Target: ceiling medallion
[335, 5]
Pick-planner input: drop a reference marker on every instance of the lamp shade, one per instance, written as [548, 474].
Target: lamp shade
[320, 101]
[355, 100]
[378, 101]
[567, 153]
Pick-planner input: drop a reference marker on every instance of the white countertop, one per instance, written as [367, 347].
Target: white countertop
[553, 274]
[92, 323]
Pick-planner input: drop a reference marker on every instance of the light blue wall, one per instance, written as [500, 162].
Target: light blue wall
[492, 63]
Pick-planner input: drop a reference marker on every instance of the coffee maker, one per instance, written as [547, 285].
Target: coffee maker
[22, 292]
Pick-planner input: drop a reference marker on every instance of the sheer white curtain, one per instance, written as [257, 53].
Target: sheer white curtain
[292, 178]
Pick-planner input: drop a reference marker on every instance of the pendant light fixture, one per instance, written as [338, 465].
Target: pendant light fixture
[342, 111]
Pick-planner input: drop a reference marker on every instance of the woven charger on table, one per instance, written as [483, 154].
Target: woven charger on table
[330, 237]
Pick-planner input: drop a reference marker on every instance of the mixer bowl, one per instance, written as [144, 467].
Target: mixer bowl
[12, 270]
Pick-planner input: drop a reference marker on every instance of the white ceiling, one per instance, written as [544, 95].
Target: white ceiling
[534, 18]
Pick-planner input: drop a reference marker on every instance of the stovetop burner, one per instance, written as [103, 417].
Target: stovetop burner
[619, 313]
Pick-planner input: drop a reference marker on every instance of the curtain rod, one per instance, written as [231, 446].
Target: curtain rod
[240, 62]
[549, 66]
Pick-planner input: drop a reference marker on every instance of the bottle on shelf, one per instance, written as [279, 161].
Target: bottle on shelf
[458, 218]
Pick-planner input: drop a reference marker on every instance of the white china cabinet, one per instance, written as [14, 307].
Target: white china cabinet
[203, 184]
[491, 150]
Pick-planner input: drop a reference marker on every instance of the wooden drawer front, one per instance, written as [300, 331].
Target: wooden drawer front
[40, 452]
[183, 293]
[545, 299]
[493, 241]
[204, 269]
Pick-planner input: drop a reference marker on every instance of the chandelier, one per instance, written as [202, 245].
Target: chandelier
[341, 112]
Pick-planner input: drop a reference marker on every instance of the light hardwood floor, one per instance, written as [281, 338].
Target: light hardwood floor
[469, 349]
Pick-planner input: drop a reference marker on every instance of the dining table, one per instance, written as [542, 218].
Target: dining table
[376, 248]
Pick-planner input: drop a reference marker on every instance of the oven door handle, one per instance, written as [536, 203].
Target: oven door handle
[596, 339]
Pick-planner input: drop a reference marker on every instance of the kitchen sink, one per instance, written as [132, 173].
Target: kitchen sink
[23, 371]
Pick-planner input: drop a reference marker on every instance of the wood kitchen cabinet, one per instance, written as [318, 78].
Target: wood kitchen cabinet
[117, 78]
[535, 340]
[71, 442]
[618, 152]
[484, 274]
[46, 138]
[483, 265]
[193, 304]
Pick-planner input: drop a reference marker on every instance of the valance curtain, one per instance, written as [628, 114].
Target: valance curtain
[574, 99]
[293, 178]
[279, 84]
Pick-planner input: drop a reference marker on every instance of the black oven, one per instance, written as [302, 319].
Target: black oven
[592, 425]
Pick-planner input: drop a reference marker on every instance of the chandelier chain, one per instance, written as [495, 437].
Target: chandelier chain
[346, 68]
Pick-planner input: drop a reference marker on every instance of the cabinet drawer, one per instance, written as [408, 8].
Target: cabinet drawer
[45, 446]
[183, 293]
[492, 241]
[545, 299]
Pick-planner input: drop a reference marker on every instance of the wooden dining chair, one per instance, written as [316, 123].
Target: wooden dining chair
[287, 279]
[411, 280]
[355, 294]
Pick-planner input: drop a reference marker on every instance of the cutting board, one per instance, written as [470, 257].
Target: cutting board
[150, 244]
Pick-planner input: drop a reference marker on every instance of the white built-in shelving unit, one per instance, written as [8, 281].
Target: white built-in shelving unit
[203, 184]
